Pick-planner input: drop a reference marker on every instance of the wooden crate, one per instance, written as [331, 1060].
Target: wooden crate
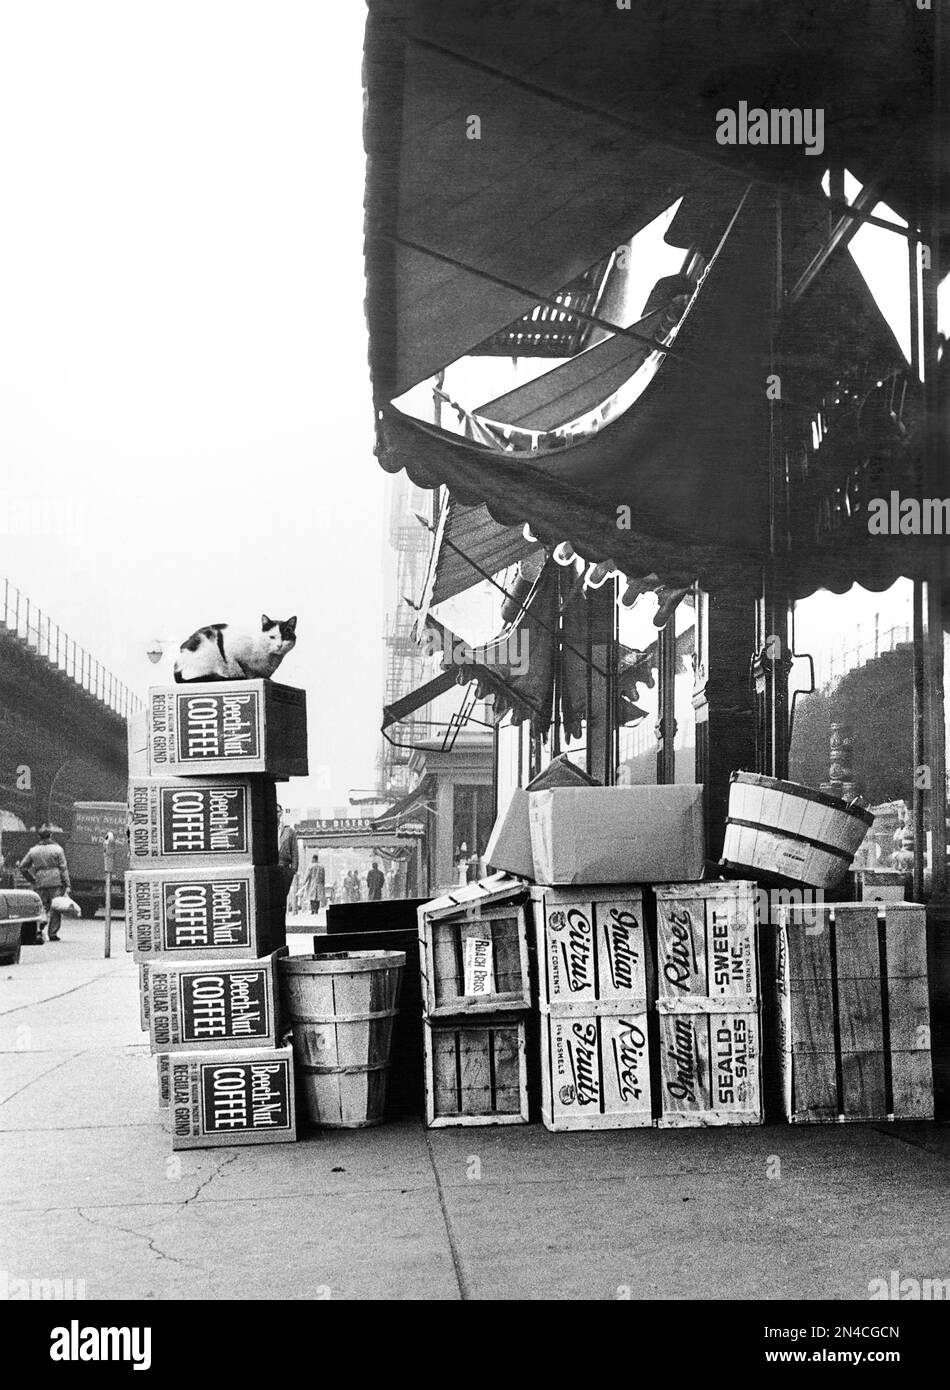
[227, 727]
[201, 821]
[854, 1012]
[474, 950]
[476, 1072]
[206, 1005]
[190, 914]
[709, 1025]
[595, 1066]
[591, 945]
[245, 1096]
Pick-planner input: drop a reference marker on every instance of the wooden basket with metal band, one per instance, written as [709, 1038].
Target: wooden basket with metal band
[341, 1008]
[790, 832]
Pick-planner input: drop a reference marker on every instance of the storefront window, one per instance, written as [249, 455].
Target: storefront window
[684, 744]
[638, 740]
[853, 735]
[472, 820]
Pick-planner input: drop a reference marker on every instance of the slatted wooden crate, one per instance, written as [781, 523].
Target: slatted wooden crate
[854, 1012]
[710, 1049]
[591, 944]
[476, 1072]
[474, 950]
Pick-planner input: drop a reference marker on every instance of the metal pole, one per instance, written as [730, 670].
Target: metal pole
[108, 860]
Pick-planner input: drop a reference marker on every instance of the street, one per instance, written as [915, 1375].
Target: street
[93, 1194]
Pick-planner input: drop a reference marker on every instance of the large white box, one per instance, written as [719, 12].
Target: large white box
[509, 845]
[617, 834]
[190, 914]
[245, 1096]
[212, 727]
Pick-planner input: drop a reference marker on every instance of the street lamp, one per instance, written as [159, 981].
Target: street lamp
[156, 649]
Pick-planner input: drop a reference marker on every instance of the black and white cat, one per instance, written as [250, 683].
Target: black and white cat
[223, 652]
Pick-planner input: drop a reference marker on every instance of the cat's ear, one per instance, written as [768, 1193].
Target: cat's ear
[289, 626]
[265, 622]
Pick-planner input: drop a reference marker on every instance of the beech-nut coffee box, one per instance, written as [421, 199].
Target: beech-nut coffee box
[204, 1005]
[245, 1096]
[211, 727]
[209, 821]
[190, 914]
[708, 1004]
[591, 945]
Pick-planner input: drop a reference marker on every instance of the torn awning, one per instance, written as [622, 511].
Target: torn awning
[592, 119]
[686, 459]
[412, 801]
[468, 545]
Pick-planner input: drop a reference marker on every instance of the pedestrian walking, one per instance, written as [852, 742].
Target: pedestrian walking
[288, 856]
[374, 883]
[44, 866]
[315, 884]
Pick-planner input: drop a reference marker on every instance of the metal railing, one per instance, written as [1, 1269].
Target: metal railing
[47, 639]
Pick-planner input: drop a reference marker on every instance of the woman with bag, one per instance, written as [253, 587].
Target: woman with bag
[45, 867]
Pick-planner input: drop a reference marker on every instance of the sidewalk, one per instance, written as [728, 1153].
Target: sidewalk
[91, 1190]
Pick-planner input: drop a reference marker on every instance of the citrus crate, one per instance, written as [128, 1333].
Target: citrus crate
[709, 1026]
[595, 1066]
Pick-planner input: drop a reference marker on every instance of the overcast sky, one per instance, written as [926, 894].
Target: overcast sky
[183, 376]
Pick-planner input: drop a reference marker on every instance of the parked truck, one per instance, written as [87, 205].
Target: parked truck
[91, 823]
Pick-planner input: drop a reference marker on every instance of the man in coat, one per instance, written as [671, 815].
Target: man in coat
[45, 867]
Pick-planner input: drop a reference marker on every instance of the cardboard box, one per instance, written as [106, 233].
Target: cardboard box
[595, 1068]
[195, 821]
[245, 1096]
[205, 1005]
[854, 1013]
[509, 845]
[591, 945]
[227, 727]
[187, 914]
[600, 835]
[710, 1035]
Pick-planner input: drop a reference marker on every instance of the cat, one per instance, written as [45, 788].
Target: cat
[223, 652]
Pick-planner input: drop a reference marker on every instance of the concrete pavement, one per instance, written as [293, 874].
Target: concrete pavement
[91, 1191]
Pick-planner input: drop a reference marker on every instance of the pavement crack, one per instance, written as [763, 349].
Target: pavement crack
[153, 1249]
[41, 1076]
[232, 1158]
[49, 998]
[460, 1279]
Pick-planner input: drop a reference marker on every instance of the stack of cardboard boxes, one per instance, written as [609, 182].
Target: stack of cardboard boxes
[205, 903]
